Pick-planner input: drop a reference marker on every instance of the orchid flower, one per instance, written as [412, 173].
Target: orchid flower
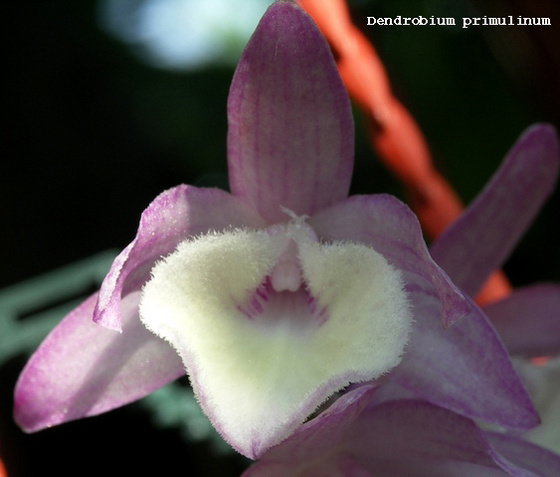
[276, 296]
[389, 430]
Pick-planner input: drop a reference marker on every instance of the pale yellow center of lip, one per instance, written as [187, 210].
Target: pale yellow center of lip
[270, 323]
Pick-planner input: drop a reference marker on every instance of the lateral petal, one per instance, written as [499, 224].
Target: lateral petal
[482, 238]
[464, 368]
[291, 132]
[83, 369]
[173, 216]
[528, 320]
[388, 226]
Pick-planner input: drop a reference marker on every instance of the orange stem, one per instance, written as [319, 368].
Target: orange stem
[394, 133]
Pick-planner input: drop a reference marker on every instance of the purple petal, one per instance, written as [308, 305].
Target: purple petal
[406, 437]
[83, 369]
[464, 368]
[390, 228]
[528, 320]
[172, 217]
[291, 133]
[525, 454]
[483, 237]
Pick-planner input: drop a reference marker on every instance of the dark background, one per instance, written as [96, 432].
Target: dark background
[92, 135]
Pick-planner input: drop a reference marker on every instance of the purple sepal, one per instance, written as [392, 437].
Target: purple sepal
[291, 131]
[83, 369]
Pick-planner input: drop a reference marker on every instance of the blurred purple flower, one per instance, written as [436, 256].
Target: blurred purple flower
[280, 294]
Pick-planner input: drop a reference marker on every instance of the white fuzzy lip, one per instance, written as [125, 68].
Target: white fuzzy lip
[270, 323]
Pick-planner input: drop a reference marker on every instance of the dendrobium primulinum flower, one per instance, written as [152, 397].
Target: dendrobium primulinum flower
[276, 296]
